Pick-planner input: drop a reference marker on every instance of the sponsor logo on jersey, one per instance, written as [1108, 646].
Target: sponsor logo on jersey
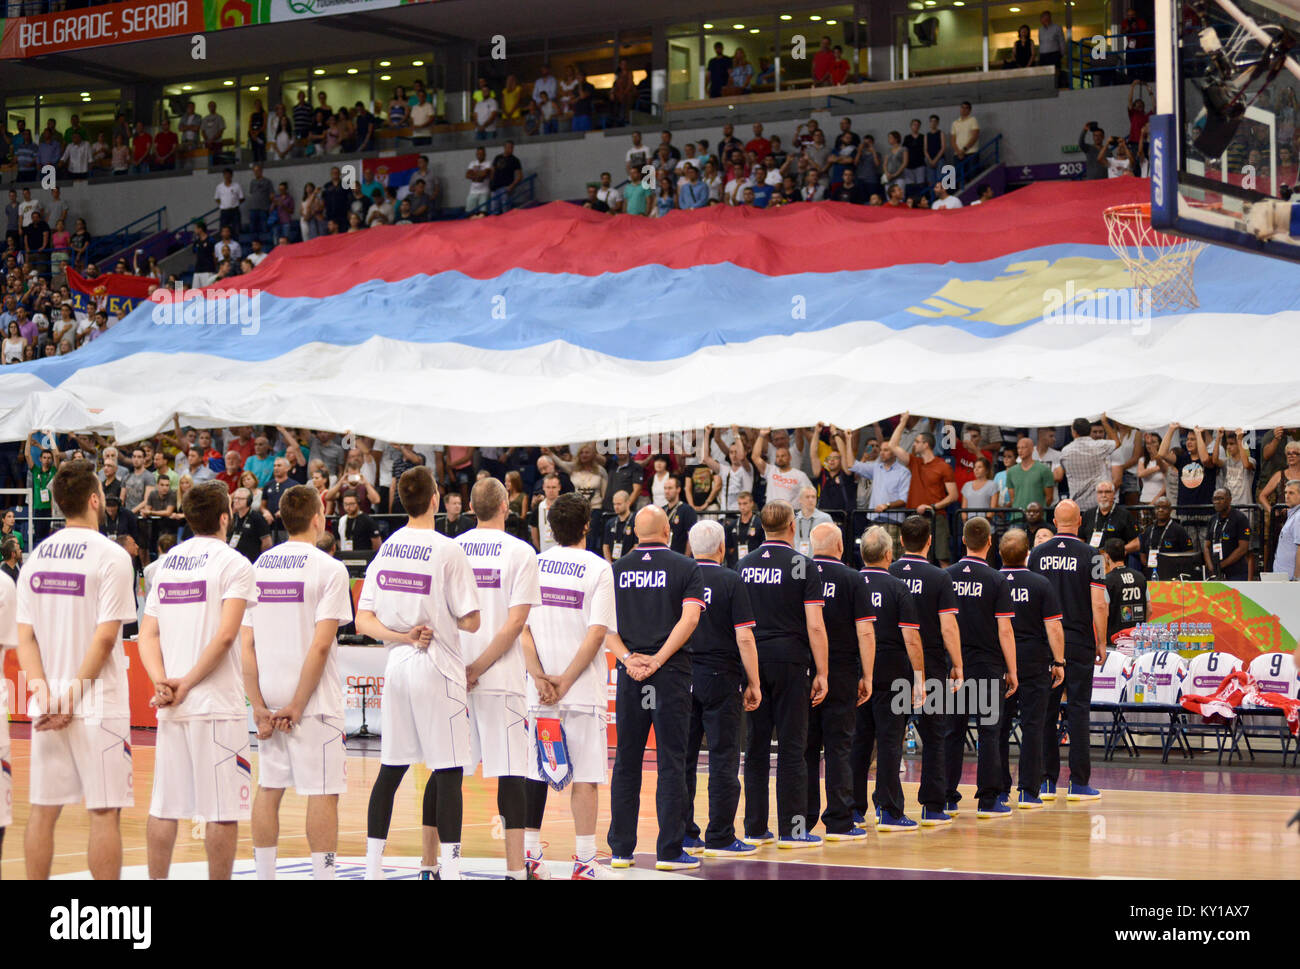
[59, 584]
[563, 598]
[182, 593]
[404, 582]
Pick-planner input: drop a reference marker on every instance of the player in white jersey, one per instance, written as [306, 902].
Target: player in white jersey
[8, 640]
[505, 571]
[74, 594]
[189, 645]
[291, 677]
[564, 648]
[418, 596]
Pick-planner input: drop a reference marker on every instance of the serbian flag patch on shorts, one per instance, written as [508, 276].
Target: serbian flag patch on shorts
[553, 753]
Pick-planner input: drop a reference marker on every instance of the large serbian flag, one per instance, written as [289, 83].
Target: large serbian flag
[115, 293]
[561, 324]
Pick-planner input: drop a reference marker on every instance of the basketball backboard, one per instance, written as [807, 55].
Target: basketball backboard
[1224, 147]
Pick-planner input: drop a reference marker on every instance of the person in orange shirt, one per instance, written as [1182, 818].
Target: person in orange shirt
[933, 487]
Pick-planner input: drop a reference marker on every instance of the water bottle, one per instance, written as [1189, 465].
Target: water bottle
[911, 738]
[1138, 651]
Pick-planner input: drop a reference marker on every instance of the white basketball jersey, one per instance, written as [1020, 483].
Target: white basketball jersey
[577, 592]
[72, 582]
[1276, 673]
[298, 586]
[1207, 670]
[420, 577]
[190, 588]
[505, 572]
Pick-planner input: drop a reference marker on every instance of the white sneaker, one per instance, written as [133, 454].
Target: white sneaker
[589, 871]
[536, 870]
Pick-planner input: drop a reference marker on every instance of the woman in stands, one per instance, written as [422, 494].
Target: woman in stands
[511, 98]
[895, 161]
[1150, 470]
[518, 501]
[1022, 54]
[399, 111]
[666, 200]
[347, 131]
[12, 347]
[121, 156]
[714, 181]
[311, 215]
[257, 131]
[249, 480]
[62, 243]
[981, 492]
[568, 91]
[79, 243]
[742, 74]
[1276, 486]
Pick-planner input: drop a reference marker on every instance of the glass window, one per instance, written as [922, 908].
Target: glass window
[836, 23]
[347, 82]
[1005, 21]
[95, 110]
[943, 40]
[751, 39]
[684, 66]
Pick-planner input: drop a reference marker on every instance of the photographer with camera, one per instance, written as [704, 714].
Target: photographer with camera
[1117, 158]
[1092, 142]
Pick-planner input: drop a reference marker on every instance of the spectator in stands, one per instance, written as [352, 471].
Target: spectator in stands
[1138, 116]
[943, 199]
[665, 198]
[1286, 560]
[1109, 520]
[914, 145]
[36, 244]
[719, 70]
[212, 128]
[205, 258]
[1022, 52]
[164, 147]
[422, 120]
[986, 193]
[546, 83]
[1235, 464]
[191, 126]
[1119, 161]
[965, 133]
[582, 106]
[479, 175]
[335, 199]
[121, 158]
[1226, 548]
[568, 91]
[896, 198]
[638, 199]
[257, 131]
[868, 167]
[1284, 475]
[692, 193]
[623, 95]
[639, 154]
[76, 156]
[1092, 142]
[486, 113]
[932, 488]
[608, 194]
[741, 75]
[507, 173]
[228, 196]
[1051, 45]
[141, 150]
[311, 213]
[50, 149]
[759, 145]
[302, 118]
[849, 190]
[227, 246]
[822, 63]
[1086, 460]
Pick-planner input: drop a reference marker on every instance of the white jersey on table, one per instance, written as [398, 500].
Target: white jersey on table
[420, 577]
[298, 586]
[190, 589]
[577, 591]
[72, 582]
[505, 572]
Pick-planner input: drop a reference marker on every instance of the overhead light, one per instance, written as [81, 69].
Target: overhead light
[916, 5]
[417, 63]
[385, 63]
[86, 98]
[255, 88]
[815, 17]
[319, 71]
[708, 26]
[352, 70]
[958, 3]
[228, 83]
[385, 77]
[831, 23]
[753, 30]
[786, 16]
[1014, 9]
[85, 94]
[930, 3]
[187, 87]
[738, 26]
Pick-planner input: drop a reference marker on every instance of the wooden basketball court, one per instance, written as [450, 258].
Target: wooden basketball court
[1151, 822]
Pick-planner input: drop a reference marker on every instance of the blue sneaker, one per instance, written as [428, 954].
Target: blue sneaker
[693, 846]
[1048, 791]
[891, 824]
[803, 841]
[622, 862]
[735, 849]
[858, 819]
[682, 862]
[758, 840]
[1004, 799]
[930, 818]
[1028, 802]
[1082, 792]
[997, 809]
[853, 834]
[952, 809]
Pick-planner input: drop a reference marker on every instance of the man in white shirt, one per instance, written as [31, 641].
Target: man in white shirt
[943, 199]
[965, 133]
[479, 175]
[73, 595]
[546, 83]
[486, 113]
[189, 641]
[228, 196]
[1051, 42]
[505, 572]
[784, 481]
[543, 536]
[731, 478]
[1044, 451]
[291, 677]
[1086, 461]
[564, 650]
[608, 194]
[190, 126]
[418, 596]
[422, 118]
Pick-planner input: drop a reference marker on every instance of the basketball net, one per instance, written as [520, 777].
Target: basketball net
[1161, 265]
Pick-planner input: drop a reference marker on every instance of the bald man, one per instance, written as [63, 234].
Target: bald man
[1077, 573]
[658, 600]
[851, 653]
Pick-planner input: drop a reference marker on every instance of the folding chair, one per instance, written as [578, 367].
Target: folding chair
[1110, 683]
[1274, 673]
[1158, 717]
[1204, 674]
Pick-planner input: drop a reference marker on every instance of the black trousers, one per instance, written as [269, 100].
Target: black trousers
[1030, 703]
[891, 705]
[664, 702]
[984, 695]
[933, 728]
[864, 739]
[784, 711]
[1078, 699]
[954, 741]
[715, 713]
[830, 728]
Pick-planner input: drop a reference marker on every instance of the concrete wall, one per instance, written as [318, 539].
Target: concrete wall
[1033, 132]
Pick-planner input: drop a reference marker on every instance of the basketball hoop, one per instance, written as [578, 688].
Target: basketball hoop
[1161, 265]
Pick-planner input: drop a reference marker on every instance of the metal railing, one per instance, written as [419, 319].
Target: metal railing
[1108, 59]
[111, 243]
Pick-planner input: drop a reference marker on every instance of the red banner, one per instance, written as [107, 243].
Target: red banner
[139, 686]
[118, 23]
[116, 293]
